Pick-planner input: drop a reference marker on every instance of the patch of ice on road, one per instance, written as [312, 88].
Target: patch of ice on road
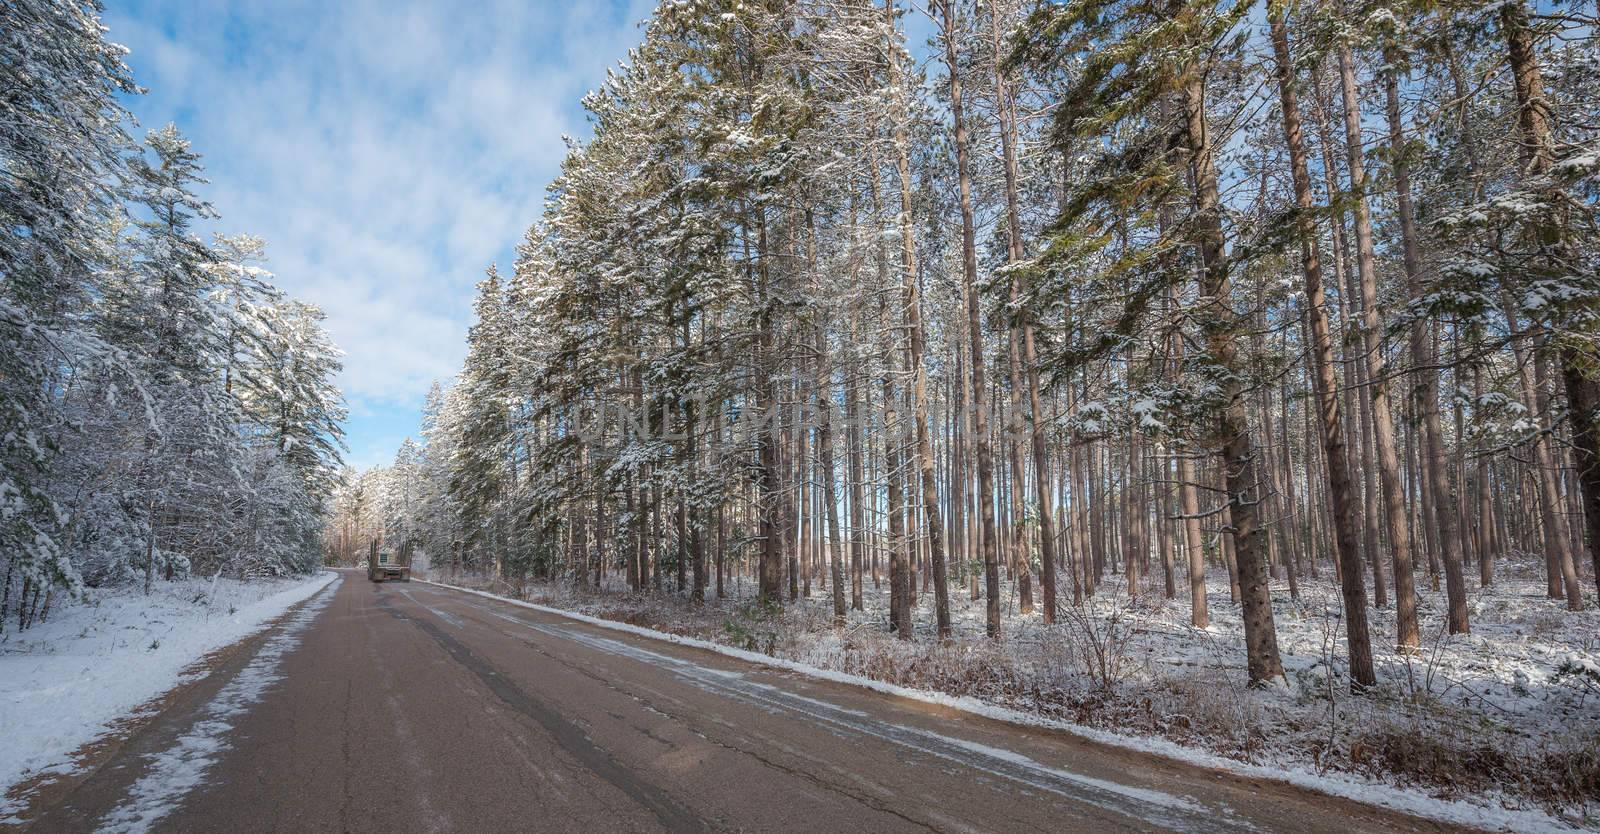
[852, 712]
[70, 680]
[451, 619]
[180, 768]
[1015, 758]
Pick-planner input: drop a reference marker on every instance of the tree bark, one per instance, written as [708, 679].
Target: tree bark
[1404, 584]
[1577, 358]
[1394, 510]
[931, 517]
[1220, 326]
[770, 581]
[825, 462]
[969, 264]
[1337, 470]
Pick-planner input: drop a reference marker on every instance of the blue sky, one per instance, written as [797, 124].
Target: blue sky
[386, 150]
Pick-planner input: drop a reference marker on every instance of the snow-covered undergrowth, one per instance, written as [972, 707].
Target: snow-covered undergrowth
[93, 664]
[1507, 717]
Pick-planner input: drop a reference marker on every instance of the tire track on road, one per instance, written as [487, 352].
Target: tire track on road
[672, 815]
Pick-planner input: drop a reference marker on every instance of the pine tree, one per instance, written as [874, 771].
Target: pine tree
[61, 153]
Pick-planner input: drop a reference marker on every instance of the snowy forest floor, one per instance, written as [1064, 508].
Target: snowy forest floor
[1508, 716]
[96, 663]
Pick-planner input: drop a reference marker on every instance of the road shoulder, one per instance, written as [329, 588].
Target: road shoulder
[113, 727]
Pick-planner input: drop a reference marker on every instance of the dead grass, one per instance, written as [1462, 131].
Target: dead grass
[1453, 764]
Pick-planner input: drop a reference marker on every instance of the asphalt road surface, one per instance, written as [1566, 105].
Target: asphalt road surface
[405, 707]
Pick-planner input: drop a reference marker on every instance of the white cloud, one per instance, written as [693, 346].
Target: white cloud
[387, 151]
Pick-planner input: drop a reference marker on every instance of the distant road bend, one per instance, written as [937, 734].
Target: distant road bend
[405, 707]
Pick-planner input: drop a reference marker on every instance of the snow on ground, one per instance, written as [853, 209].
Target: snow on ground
[1488, 718]
[182, 767]
[93, 664]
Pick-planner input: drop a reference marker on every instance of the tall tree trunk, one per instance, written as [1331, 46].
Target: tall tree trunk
[1135, 542]
[1162, 465]
[1193, 540]
[694, 518]
[1189, 507]
[852, 411]
[1560, 569]
[799, 574]
[1337, 471]
[1220, 326]
[1404, 585]
[1487, 517]
[825, 461]
[931, 517]
[969, 263]
[1394, 509]
[1076, 475]
[893, 434]
[1578, 359]
[769, 486]
[1021, 330]
[959, 550]
[1355, 402]
[1021, 565]
[1024, 326]
[899, 606]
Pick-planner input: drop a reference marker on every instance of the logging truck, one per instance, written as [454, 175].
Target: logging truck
[385, 565]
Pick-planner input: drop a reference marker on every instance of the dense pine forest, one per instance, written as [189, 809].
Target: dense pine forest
[1169, 346]
[165, 411]
[1269, 296]
[957, 413]
[1222, 379]
[1103, 360]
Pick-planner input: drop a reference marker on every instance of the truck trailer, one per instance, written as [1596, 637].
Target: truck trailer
[389, 566]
